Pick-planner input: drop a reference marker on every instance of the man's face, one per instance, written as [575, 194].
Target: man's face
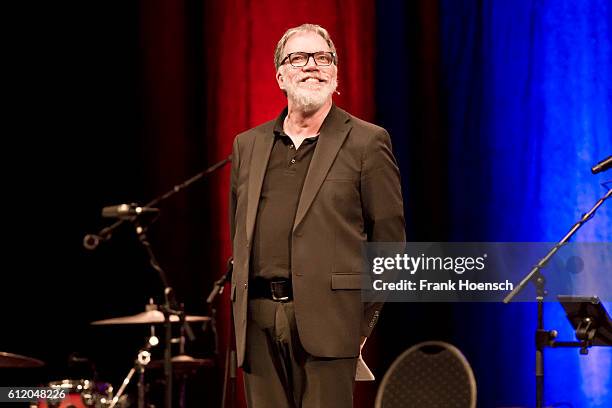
[311, 86]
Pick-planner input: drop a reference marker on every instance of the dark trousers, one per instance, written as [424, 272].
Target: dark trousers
[279, 373]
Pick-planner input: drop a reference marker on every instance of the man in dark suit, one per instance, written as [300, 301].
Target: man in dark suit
[307, 190]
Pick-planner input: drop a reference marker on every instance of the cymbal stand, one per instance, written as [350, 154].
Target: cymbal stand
[167, 309]
[92, 241]
[183, 381]
[142, 359]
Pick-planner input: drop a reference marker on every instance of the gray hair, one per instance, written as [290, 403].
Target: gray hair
[315, 28]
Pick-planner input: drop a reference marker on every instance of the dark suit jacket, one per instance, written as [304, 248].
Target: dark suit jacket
[351, 195]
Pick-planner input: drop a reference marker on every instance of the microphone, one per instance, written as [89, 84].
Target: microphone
[603, 165]
[126, 211]
[220, 283]
[91, 241]
[122, 212]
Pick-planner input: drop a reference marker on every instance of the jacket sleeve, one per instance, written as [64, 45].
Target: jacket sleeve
[382, 205]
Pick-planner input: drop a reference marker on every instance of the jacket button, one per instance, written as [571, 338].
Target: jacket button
[246, 285]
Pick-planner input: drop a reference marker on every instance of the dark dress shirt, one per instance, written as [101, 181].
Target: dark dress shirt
[280, 194]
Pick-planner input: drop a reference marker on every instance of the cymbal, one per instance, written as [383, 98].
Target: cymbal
[8, 360]
[148, 317]
[184, 364]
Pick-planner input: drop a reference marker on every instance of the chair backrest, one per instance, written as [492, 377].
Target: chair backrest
[430, 374]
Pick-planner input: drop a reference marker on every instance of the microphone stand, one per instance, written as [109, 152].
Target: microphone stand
[543, 338]
[91, 241]
[230, 352]
[169, 307]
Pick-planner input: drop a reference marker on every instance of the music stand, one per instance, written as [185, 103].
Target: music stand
[590, 320]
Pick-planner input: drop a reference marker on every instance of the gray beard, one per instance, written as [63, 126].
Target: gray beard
[310, 101]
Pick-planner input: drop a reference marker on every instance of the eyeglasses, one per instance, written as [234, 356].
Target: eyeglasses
[300, 59]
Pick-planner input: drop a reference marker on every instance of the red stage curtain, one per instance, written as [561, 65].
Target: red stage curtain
[242, 90]
[238, 77]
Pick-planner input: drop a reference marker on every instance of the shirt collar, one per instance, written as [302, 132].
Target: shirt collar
[280, 120]
[278, 125]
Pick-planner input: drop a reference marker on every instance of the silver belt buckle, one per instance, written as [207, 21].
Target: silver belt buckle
[274, 297]
[279, 299]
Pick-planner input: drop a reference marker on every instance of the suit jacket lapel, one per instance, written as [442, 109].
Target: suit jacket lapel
[259, 163]
[334, 130]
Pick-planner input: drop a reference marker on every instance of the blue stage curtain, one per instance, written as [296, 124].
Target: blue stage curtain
[529, 99]
[525, 107]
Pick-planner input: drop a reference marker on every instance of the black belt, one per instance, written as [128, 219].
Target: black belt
[279, 290]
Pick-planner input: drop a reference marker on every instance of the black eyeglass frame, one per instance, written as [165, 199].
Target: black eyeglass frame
[310, 54]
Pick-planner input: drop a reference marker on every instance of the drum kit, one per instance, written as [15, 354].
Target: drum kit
[10, 360]
[85, 393]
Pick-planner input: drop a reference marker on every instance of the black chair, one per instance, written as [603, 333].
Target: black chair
[432, 374]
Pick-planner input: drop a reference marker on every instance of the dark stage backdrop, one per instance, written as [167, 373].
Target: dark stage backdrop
[496, 110]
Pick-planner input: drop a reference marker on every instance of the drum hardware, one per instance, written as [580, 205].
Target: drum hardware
[82, 394]
[183, 366]
[142, 359]
[167, 313]
[10, 360]
[135, 214]
[151, 315]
